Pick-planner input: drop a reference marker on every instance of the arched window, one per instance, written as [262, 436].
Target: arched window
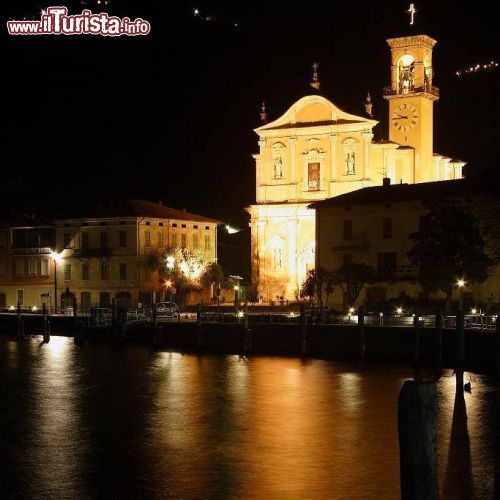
[406, 74]
[427, 73]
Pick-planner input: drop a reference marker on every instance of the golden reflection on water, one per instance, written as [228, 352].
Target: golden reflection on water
[133, 422]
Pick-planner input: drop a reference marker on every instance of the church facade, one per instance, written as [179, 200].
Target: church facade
[316, 151]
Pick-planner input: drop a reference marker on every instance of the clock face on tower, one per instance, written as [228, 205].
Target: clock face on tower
[405, 117]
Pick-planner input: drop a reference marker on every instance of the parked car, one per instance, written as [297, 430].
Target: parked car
[167, 309]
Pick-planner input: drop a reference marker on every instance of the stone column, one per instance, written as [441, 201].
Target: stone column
[292, 250]
[367, 141]
[293, 167]
[333, 157]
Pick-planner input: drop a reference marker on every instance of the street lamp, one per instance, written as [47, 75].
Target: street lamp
[56, 257]
[461, 285]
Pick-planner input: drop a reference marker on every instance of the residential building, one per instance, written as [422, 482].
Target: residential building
[120, 252]
[372, 226]
[116, 252]
[26, 266]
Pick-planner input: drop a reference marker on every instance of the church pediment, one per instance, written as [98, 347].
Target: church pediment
[315, 111]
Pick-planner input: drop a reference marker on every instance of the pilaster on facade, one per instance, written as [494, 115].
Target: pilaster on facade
[367, 142]
[293, 167]
[334, 139]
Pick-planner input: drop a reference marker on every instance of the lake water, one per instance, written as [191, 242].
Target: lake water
[98, 421]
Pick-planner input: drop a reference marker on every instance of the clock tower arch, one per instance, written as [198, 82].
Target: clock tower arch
[411, 97]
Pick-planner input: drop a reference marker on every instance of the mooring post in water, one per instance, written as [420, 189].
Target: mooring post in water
[361, 332]
[416, 346]
[45, 324]
[417, 426]
[438, 359]
[75, 315]
[247, 334]
[114, 321]
[155, 315]
[460, 357]
[498, 348]
[303, 329]
[199, 329]
[20, 322]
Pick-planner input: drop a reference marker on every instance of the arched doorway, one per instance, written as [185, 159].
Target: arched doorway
[67, 301]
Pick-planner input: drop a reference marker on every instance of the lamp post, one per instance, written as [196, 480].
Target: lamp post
[56, 257]
[236, 289]
[461, 285]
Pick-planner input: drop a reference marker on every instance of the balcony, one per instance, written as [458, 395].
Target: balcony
[87, 253]
[427, 89]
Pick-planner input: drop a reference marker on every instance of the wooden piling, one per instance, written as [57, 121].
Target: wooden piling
[361, 333]
[247, 334]
[45, 324]
[303, 330]
[417, 426]
[460, 355]
[20, 323]
[199, 330]
[155, 315]
[498, 347]
[416, 345]
[438, 355]
[115, 326]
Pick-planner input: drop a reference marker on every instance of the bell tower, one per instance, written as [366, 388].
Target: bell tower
[411, 97]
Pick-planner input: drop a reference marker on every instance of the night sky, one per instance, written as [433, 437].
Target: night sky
[169, 116]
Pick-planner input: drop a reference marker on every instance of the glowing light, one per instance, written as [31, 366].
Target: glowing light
[412, 12]
[476, 68]
[34, 308]
[170, 262]
[241, 314]
[473, 310]
[56, 256]
[43, 11]
[351, 310]
[196, 12]
[380, 314]
[169, 283]
[460, 283]
[12, 308]
[292, 315]
[399, 310]
[236, 288]
[232, 230]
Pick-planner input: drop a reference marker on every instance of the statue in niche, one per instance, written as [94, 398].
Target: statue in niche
[350, 164]
[278, 167]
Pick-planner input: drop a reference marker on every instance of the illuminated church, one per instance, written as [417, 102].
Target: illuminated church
[316, 151]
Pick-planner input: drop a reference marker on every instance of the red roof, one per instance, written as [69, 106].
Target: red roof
[143, 208]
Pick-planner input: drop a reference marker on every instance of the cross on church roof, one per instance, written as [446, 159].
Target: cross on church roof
[315, 81]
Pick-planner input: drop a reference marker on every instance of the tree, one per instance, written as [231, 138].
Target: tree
[318, 281]
[352, 277]
[308, 286]
[213, 275]
[448, 245]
